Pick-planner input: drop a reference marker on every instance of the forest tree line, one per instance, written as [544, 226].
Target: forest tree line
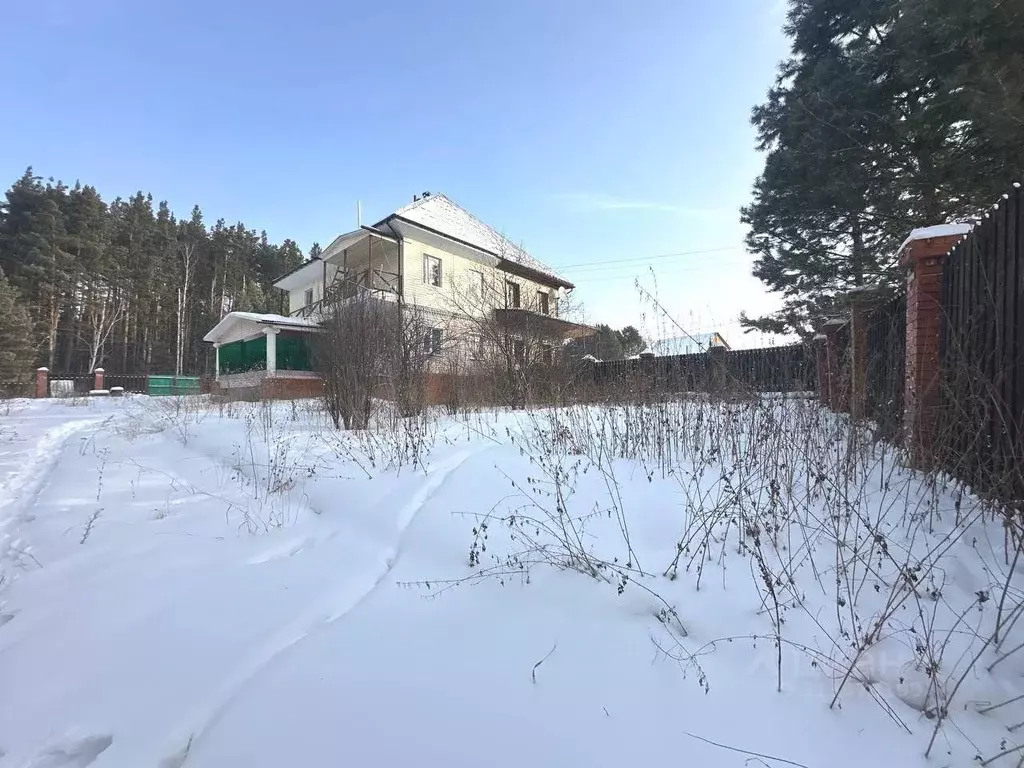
[127, 285]
[888, 115]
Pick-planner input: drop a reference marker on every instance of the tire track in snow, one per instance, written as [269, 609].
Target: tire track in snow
[340, 602]
[21, 489]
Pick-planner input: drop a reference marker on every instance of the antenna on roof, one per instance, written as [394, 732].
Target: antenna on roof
[415, 198]
[426, 195]
[359, 213]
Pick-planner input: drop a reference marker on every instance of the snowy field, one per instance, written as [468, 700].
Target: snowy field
[693, 584]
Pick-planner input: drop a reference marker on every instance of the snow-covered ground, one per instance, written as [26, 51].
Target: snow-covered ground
[187, 584]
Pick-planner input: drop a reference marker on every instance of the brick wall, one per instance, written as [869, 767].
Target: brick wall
[281, 388]
[923, 261]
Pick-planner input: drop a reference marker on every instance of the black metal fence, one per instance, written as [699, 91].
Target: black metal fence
[134, 383]
[886, 365]
[771, 369]
[682, 373]
[66, 384]
[981, 419]
[791, 368]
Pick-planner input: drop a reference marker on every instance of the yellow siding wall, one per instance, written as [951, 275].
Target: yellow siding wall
[297, 297]
[457, 277]
[456, 271]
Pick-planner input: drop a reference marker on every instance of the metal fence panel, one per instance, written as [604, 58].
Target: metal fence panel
[981, 415]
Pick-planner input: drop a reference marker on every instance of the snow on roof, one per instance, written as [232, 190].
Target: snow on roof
[272, 319]
[232, 318]
[939, 230]
[441, 213]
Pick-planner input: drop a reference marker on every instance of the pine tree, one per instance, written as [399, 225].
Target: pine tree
[31, 232]
[631, 342]
[890, 114]
[17, 353]
[122, 284]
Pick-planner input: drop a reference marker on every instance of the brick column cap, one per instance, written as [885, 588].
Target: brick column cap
[920, 245]
[44, 368]
[98, 370]
[862, 296]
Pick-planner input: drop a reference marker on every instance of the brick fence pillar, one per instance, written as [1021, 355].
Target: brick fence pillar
[923, 261]
[862, 303]
[42, 382]
[98, 381]
[821, 358]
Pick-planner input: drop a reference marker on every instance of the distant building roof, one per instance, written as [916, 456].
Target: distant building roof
[688, 344]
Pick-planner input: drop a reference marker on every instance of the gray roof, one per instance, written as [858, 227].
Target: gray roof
[441, 214]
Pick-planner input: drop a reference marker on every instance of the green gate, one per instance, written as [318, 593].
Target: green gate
[161, 386]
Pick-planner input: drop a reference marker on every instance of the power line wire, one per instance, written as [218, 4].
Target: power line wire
[587, 279]
[650, 258]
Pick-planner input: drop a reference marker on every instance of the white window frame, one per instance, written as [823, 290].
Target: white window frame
[428, 276]
[307, 297]
[432, 340]
[476, 346]
[547, 354]
[508, 294]
[476, 283]
[543, 302]
[519, 352]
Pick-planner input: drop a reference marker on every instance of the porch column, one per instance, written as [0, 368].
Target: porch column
[271, 348]
[216, 361]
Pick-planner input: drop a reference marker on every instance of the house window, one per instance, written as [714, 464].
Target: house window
[512, 295]
[432, 341]
[432, 270]
[542, 302]
[476, 347]
[309, 297]
[547, 355]
[476, 284]
[519, 351]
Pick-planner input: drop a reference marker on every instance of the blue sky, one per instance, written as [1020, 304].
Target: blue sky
[596, 133]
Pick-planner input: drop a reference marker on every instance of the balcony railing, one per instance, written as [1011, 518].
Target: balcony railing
[380, 283]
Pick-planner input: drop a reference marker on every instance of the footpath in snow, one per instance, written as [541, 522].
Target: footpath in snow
[193, 585]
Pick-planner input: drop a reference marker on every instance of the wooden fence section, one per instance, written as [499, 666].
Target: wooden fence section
[790, 368]
[981, 414]
[771, 369]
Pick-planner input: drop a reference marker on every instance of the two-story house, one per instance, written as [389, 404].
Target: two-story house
[467, 280]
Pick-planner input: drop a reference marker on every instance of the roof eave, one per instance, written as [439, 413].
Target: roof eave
[544, 276]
